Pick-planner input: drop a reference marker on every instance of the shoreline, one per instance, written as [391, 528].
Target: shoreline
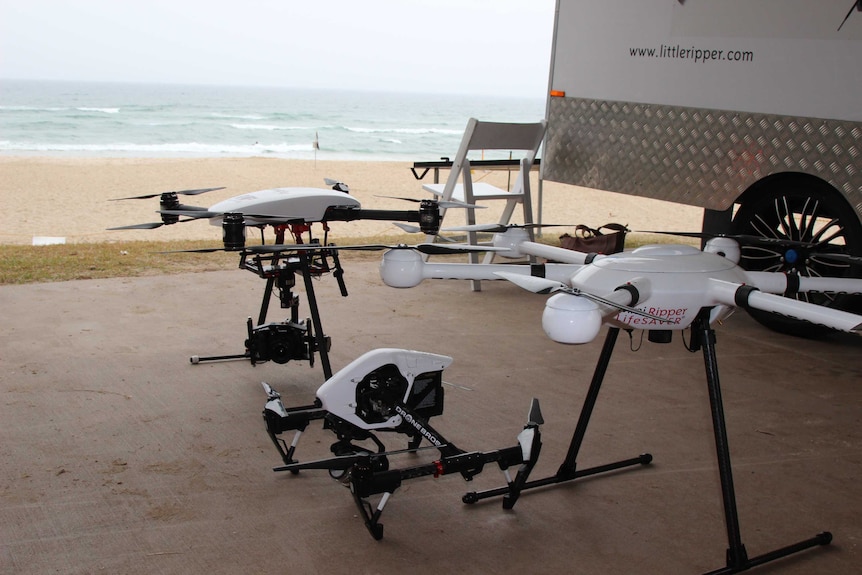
[70, 197]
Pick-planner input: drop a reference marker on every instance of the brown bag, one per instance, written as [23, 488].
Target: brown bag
[594, 241]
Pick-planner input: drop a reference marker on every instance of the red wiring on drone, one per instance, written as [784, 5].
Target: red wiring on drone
[297, 230]
[439, 469]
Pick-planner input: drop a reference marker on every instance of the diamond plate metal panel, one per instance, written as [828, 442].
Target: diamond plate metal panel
[693, 156]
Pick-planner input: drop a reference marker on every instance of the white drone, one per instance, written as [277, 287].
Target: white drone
[290, 212]
[659, 289]
[284, 206]
[653, 288]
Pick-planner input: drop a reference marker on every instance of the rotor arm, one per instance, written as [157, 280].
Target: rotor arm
[746, 296]
[557, 253]
[427, 216]
[403, 269]
[628, 294]
[790, 284]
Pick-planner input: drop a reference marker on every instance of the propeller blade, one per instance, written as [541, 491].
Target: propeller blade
[447, 205]
[742, 238]
[415, 230]
[681, 234]
[148, 226]
[408, 228]
[180, 192]
[430, 249]
[499, 228]
[195, 214]
[532, 283]
[399, 198]
[279, 248]
[442, 204]
[438, 249]
[198, 251]
[199, 191]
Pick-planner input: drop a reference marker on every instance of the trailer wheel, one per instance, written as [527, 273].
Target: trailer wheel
[801, 208]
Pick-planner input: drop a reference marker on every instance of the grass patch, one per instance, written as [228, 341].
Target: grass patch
[57, 263]
[35, 264]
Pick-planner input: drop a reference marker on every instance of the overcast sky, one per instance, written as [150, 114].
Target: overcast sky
[497, 47]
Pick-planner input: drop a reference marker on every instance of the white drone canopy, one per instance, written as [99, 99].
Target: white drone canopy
[309, 204]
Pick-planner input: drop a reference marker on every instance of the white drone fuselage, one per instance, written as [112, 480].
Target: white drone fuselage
[307, 204]
[673, 281]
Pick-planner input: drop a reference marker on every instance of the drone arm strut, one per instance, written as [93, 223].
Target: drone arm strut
[745, 296]
[365, 481]
[427, 216]
[279, 419]
[790, 284]
[557, 253]
[405, 269]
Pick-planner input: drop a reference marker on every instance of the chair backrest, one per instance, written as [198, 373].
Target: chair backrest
[479, 135]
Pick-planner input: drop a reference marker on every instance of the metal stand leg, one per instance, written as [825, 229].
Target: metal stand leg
[703, 336]
[568, 470]
[737, 557]
[320, 338]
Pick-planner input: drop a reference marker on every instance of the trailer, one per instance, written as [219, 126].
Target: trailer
[750, 109]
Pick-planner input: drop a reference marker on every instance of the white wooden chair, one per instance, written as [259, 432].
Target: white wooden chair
[523, 140]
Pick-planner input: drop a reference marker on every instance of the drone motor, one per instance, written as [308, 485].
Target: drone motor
[169, 201]
[233, 231]
[429, 217]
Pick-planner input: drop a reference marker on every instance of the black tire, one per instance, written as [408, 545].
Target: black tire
[802, 208]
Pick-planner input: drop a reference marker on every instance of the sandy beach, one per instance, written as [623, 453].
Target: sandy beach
[70, 198]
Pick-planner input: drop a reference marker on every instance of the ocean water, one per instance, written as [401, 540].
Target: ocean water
[142, 120]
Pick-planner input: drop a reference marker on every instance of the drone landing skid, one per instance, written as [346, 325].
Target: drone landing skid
[703, 337]
[366, 481]
[368, 474]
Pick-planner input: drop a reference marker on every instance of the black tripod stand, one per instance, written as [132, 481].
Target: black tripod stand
[703, 338]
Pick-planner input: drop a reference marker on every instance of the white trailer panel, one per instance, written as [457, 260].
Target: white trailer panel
[694, 101]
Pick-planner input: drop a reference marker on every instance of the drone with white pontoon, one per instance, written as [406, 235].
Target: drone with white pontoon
[290, 212]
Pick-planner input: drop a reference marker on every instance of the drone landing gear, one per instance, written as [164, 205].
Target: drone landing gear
[365, 481]
[368, 474]
[703, 337]
[568, 470]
